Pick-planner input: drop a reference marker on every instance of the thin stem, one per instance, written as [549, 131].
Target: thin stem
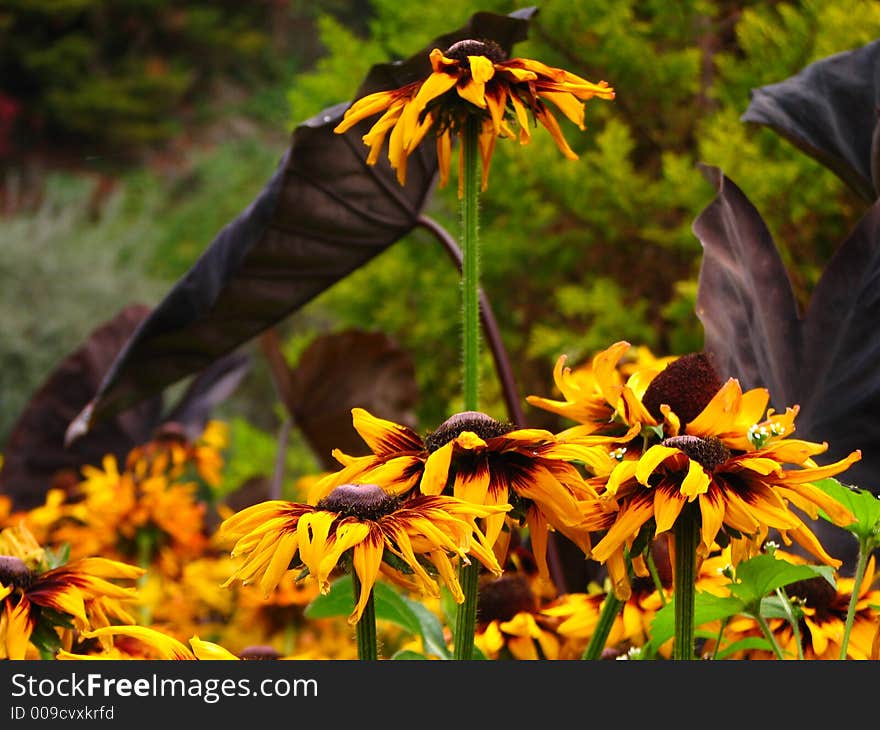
[792, 620]
[466, 618]
[366, 627]
[610, 608]
[768, 634]
[864, 552]
[686, 532]
[655, 576]
[490, 326]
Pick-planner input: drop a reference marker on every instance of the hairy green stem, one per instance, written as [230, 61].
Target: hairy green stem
[466, 620]
[470, 269]
[366, 626]
[686, 534]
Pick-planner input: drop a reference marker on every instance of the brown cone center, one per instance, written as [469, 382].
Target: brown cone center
[364, 501]
[470, 47]
[13, 571]
[477, 422]
[686, 385]
[709, 452]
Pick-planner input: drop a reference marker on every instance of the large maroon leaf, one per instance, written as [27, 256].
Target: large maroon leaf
[829, 110]
[323, 214]
[35, 454]
[326, 386]
[825, 360]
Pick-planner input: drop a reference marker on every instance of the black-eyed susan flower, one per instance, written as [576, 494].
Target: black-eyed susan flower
[476, 458]
[44, 599]
[720, 450]
[381, 533]
[473, 79]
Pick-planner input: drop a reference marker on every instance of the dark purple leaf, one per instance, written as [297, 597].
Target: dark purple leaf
[35, 457]
[323, 214]
[35, 454]
[824, 360]
[340, 371]
[829, 110]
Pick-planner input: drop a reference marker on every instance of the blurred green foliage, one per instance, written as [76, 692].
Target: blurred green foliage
[576, 255]
[63, 274]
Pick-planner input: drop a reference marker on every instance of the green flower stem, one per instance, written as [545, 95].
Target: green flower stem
[466, 619]
[610, 608]
[655, 576]
[366, 627]
[470, 269]
[861, 566]
[768, 634]
[686, 534]
[785, 602]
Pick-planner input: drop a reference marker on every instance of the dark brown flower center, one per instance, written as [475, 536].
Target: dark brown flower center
[469, 47]
[13, 571]
[364, 501]
[502, 598]
[686, 385]
[479, 423]
[709, 452]
[259, 652]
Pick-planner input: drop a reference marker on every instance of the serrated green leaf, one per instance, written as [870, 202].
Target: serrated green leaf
[763, 574]
[862, 503]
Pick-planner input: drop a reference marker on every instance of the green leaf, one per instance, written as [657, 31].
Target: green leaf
[46, 639]
[751, 642]
[339, 601]
[410, 615]
[763, 574]
[773, 607]
[707, 607]
[862, 503]
[430, 629]
[408, 654]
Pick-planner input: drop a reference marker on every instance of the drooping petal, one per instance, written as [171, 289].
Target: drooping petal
[548, 121]
[366, 559]
[668, 504]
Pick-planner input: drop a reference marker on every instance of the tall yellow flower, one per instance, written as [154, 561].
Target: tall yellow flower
[379, 531]
[472, 78]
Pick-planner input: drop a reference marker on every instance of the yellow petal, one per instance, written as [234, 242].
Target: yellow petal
[652, 459]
